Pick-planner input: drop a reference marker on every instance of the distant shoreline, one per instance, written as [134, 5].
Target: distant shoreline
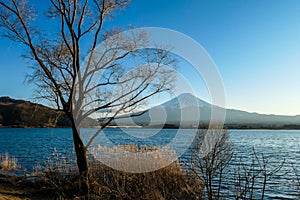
[238, 127]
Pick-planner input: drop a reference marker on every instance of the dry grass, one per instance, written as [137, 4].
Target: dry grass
[169, 182]
[8, 163]
[134, 158]
[7, 192]
[15, 188]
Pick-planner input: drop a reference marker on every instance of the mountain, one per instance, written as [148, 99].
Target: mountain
[184, 110]
[20, 113]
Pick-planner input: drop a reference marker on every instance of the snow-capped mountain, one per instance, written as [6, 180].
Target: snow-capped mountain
[185, 100]
[186, 110]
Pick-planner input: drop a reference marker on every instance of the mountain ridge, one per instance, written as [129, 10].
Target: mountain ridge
[172, 109]
[23, 114]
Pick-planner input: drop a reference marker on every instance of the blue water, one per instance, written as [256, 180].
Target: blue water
[33, 146]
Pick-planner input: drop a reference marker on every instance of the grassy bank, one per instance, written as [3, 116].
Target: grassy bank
[58, 180]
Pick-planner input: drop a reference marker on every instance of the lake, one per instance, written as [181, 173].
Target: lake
[33, 146]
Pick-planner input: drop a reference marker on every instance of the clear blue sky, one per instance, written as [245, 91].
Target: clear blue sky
[254, 43]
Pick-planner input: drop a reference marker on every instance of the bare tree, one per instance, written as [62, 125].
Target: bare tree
[266, 172]
[213, 162]
[211, 156]
[57, 60]
[245, 177]
[249, 177]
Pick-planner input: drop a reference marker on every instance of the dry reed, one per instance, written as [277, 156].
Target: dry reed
[59, 177]
[8, 163]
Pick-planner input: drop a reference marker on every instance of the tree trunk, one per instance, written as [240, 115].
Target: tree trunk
[81, 157]
[264, 185]
[210, 192]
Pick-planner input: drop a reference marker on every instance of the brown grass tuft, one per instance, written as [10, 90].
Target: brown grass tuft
[8, 163]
